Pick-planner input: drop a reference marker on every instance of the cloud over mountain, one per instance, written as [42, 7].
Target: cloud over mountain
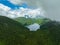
[52, 7]
[21, 12]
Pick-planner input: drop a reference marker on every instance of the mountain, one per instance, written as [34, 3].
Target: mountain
[11, 31]
[51, 32]
[29, 21]
[14, 33]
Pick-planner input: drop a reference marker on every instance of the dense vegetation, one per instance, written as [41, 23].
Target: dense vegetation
[13, 33]
[28, 21]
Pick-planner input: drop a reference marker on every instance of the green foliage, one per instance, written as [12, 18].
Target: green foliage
[14, 33]
[11, 32]
[28, 21]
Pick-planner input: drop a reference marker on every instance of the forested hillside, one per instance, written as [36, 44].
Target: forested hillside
[11, 32]
[14, 33]
[29, 21]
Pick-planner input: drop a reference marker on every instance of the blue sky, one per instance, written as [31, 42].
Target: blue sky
[12, 10]
[51, 7]
[7, 3]
[18, 10]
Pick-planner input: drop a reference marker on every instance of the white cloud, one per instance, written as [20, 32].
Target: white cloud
[16, 1]
[33, 27]
[21, 12]
[5, 8]
[31, 12]
[52, 7]
[5, 11]
[29, 2]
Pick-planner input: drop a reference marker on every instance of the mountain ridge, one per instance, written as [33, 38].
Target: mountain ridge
[14, 33]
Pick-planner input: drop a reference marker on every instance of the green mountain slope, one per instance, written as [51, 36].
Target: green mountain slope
[11, 31]
[28, 21]
[14, 33]
[51, 32]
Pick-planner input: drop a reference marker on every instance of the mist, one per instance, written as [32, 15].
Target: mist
[33, 27]
[51, 7]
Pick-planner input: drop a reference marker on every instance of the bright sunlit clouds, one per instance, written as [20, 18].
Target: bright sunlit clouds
[20, 12]
[52, 7]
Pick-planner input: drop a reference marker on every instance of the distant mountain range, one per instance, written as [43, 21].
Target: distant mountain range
[32, 23]
[28, 21]
[13, 32]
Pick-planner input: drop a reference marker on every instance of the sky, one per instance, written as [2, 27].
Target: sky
[17, 8]
[11, 5]
[11, 9]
